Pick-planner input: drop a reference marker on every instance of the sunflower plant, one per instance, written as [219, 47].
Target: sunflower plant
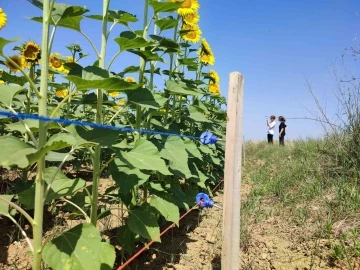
[171, 89]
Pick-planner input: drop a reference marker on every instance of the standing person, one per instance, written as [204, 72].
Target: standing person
[271, 126]
[282, 129]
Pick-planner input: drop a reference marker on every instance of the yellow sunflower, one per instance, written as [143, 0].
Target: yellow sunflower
[206, 55]
[19, 60]
[191, 18]
[214, 87]
[129, 79]
[31, 51]
[122, 101]
[2, 82]
[194, 33]
[62, 93]
[214, 76]
[187, 6]
[113, 94]
[3, 18]
[56, 63]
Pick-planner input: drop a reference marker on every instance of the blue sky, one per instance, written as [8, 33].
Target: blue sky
[275, 44]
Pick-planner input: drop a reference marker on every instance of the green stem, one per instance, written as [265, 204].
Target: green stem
[22, 232]
[19, 209]
[39, 181]
[113, 59]
[77, 207]
[173, 108]
[142, 70]
[172, 55]
[91, 43]
[97, 154]
[153, 63]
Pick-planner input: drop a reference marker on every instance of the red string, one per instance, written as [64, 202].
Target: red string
[121, 267]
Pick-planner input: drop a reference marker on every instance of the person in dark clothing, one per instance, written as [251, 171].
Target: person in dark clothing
[282, 129]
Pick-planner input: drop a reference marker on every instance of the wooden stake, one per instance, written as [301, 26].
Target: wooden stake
[230, 258]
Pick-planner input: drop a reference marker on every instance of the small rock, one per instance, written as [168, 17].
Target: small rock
[153, 256]
[264, 256]
[211, 239]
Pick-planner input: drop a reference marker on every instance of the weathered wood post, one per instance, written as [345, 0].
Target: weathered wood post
[230, 258]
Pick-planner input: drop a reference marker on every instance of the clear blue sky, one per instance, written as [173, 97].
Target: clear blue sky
[275, 44]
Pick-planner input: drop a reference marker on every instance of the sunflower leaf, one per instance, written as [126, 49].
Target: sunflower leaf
[7, 93]
[176, 88]
[119, 16]
[92, 77]
[165, 6]
[166, 23]
[148, 55]
[145, 98]
[4, 42]
[128, 40]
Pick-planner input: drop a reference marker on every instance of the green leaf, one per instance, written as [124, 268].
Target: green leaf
[192, 148]
[122, 17]
[175, 152]
[14, 151]
[126, 178]
[148, 55]
[145, 156]
[200, 177]
[166, 23]
[7, 93]
[166, 43]
[145, 98]
[108, 256]
[60, 187]
[130, 69]
[104, 137]
[176, 88]
[20, 80]
[19, 126]
[92, 77]
[164, 6]
[197, 114]
[4, 42]
[119, 16]
[79, 248]
[126, 239]
[166, 208]
[143, 220]
[63, 15]
[56, 142]
[128, 40]
[57, 157]
[4, 207]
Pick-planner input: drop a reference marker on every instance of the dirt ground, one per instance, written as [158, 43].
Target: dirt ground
[273, 243]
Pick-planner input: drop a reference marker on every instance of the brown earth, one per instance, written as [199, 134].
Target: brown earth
[274, 243]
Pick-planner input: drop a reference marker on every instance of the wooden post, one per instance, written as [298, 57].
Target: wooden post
[230, 257]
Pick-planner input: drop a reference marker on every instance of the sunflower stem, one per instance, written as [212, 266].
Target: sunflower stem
[172, 54]
[39, 181]
[142, 70]
[153, 63]
[97, 152]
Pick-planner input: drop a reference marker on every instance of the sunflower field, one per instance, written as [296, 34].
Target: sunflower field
[171, 89]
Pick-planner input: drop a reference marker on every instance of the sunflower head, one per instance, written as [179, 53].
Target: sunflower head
[122, 101]
[3, 18]
[191, 18]
[205, 53]
[31, 51]
[214, 76]
[56, 62]
[187, 6]
[214, 88]
[62, 93]
[130, 80]
[113, 94]
[20, 63]
[193, 33]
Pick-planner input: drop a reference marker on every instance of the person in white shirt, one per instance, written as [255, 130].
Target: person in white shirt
[271, 126]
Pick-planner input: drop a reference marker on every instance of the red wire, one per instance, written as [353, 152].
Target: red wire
[121, 267]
